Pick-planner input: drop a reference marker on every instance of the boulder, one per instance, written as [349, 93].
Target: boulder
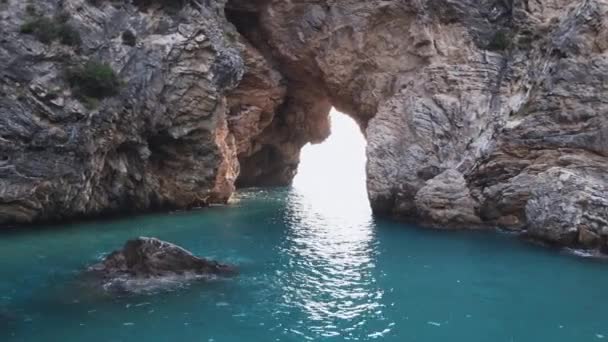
[148, 263]
[446, 200]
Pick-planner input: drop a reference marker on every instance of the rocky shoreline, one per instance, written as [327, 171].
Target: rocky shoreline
[477, 113]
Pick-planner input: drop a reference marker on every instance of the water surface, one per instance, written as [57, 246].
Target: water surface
[310, 271]
[315, 265]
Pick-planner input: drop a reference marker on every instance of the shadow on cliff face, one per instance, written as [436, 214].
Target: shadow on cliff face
[244, 20]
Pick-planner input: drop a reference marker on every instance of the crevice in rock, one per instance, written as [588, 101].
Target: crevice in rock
[162, 148]
[245, 21]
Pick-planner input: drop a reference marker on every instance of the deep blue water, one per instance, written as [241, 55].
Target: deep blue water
[322, 270]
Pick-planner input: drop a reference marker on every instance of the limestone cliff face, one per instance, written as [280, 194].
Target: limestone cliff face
[161, 141]
[478, 113]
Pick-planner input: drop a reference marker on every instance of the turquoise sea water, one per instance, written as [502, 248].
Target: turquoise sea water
[315, 266]
[316, 270]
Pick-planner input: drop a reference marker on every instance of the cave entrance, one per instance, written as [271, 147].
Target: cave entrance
[333, 173]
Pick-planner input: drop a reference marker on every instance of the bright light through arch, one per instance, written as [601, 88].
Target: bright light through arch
[333, 172]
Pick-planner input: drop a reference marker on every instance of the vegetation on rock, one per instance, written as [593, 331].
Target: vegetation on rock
[500, 41]
[129, 38]
[47, 29]
[94, 80]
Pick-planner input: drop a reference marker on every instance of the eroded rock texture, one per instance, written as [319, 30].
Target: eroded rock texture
[162, 141]
[150, 257]
[478, 113]
[148, 264]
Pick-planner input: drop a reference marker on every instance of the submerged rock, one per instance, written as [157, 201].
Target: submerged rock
[147, 264]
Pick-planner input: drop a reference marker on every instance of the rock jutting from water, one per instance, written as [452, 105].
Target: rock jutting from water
[148, 264]
[477, 113]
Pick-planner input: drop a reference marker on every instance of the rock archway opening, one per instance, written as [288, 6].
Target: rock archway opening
[334, 170]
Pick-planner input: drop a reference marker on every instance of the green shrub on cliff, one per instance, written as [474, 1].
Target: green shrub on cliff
[129, 38]
[500, 41]
[93, 80]
[48, 30]
[30, 9]
[68, 35]
[43, 28]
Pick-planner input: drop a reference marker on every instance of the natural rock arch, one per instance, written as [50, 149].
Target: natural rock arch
[462, 103]
[477, 112]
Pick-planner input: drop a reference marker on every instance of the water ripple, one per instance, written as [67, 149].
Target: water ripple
[331, 262]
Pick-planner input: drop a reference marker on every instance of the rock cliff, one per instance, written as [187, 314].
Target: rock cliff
[477, 113]
[162, 138]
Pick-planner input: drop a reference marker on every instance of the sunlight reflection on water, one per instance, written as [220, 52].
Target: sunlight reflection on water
[315, 265]
[331, 245]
